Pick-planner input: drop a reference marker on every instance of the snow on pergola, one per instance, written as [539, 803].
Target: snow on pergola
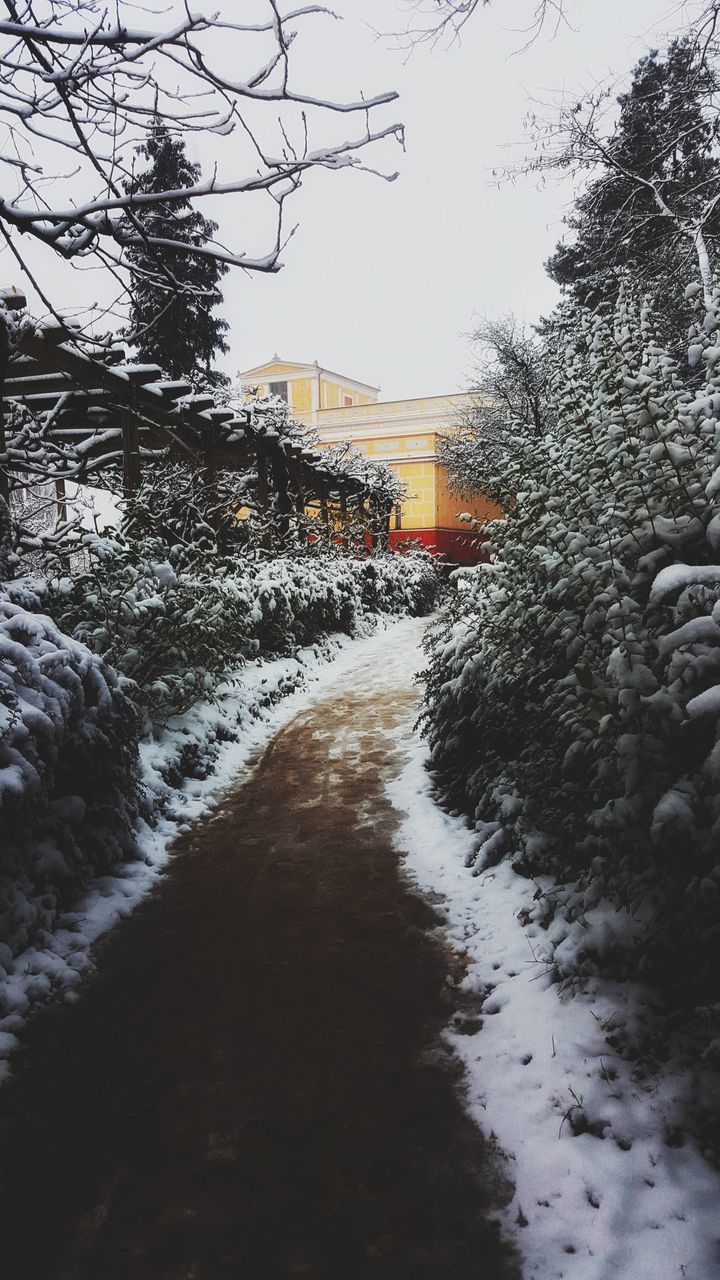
[91, 411]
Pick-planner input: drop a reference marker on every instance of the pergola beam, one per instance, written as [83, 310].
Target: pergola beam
[113, 412]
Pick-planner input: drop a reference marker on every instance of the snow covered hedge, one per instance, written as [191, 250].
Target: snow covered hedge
[573, 701]
[174, 623]
[88, 664]
[68, 755]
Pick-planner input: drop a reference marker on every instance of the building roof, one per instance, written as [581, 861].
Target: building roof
[312, 369]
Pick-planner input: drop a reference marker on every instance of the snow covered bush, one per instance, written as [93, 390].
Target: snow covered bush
[175, 619]
[573, 698]
[167, 621]
[406, 582]
[68, 751]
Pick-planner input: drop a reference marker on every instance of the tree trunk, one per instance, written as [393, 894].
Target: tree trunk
[4, 361]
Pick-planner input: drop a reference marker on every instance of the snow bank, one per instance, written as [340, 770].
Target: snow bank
[607, 1184]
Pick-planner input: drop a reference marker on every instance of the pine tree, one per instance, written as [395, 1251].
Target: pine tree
[666, 135]
[172, 294]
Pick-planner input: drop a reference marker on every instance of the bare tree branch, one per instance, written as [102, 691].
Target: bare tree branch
[83, 82]
[633, 190]
[442, 21]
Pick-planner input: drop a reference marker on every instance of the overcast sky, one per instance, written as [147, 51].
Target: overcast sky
[383, 281]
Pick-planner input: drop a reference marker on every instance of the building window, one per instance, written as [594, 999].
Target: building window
[279, 389]
[348, 401]
[398, 516]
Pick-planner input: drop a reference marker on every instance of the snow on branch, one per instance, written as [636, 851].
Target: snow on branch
[80, 86]
[447, 18]
[660, 183]
[344, 460]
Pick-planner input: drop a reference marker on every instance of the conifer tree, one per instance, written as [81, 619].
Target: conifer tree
[657, 175]
[174, 294]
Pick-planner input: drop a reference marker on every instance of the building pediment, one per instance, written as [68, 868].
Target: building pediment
[277, 369]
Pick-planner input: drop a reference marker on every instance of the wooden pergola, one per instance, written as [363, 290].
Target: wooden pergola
[107, 412]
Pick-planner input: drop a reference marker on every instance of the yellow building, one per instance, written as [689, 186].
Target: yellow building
[402, 433]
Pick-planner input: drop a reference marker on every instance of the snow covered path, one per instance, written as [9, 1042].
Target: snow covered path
[251, 1085]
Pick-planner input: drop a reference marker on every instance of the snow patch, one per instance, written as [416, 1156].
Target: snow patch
[606, 1185]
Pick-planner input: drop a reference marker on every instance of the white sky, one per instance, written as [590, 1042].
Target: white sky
[383, 281]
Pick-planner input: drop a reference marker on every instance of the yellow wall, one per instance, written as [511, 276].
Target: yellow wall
[449, 505]
[429, 503]
[418, 507]
[332, 395]
[301, 395]
[418, 477]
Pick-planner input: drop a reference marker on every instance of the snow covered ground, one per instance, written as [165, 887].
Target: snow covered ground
[599, 1192]
[222, 736]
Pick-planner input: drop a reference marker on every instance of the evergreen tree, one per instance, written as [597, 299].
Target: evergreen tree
[663, 152]
[173, 294]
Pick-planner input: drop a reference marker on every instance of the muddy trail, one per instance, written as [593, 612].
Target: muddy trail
[250, 1086]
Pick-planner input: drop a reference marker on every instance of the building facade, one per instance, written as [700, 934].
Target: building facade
[402, 433]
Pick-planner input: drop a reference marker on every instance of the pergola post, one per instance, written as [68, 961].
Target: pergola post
[281, 482]
[209, 460]
[344, 541]
[4, 477]
[209, 455]
[384, 515]
[262, 475]
[324, 509]
[131, 451]
[299, 484]
[362, 516]
[263, 491]
[4, 360]
[61, 500]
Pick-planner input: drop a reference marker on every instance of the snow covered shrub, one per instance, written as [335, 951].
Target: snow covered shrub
[68, 748]
[297, 599]
[573, 696]
[176, 619]
[169, 621]
[7, 557]
[402, 583]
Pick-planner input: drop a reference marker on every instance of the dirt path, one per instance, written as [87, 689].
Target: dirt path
[248, 1088]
